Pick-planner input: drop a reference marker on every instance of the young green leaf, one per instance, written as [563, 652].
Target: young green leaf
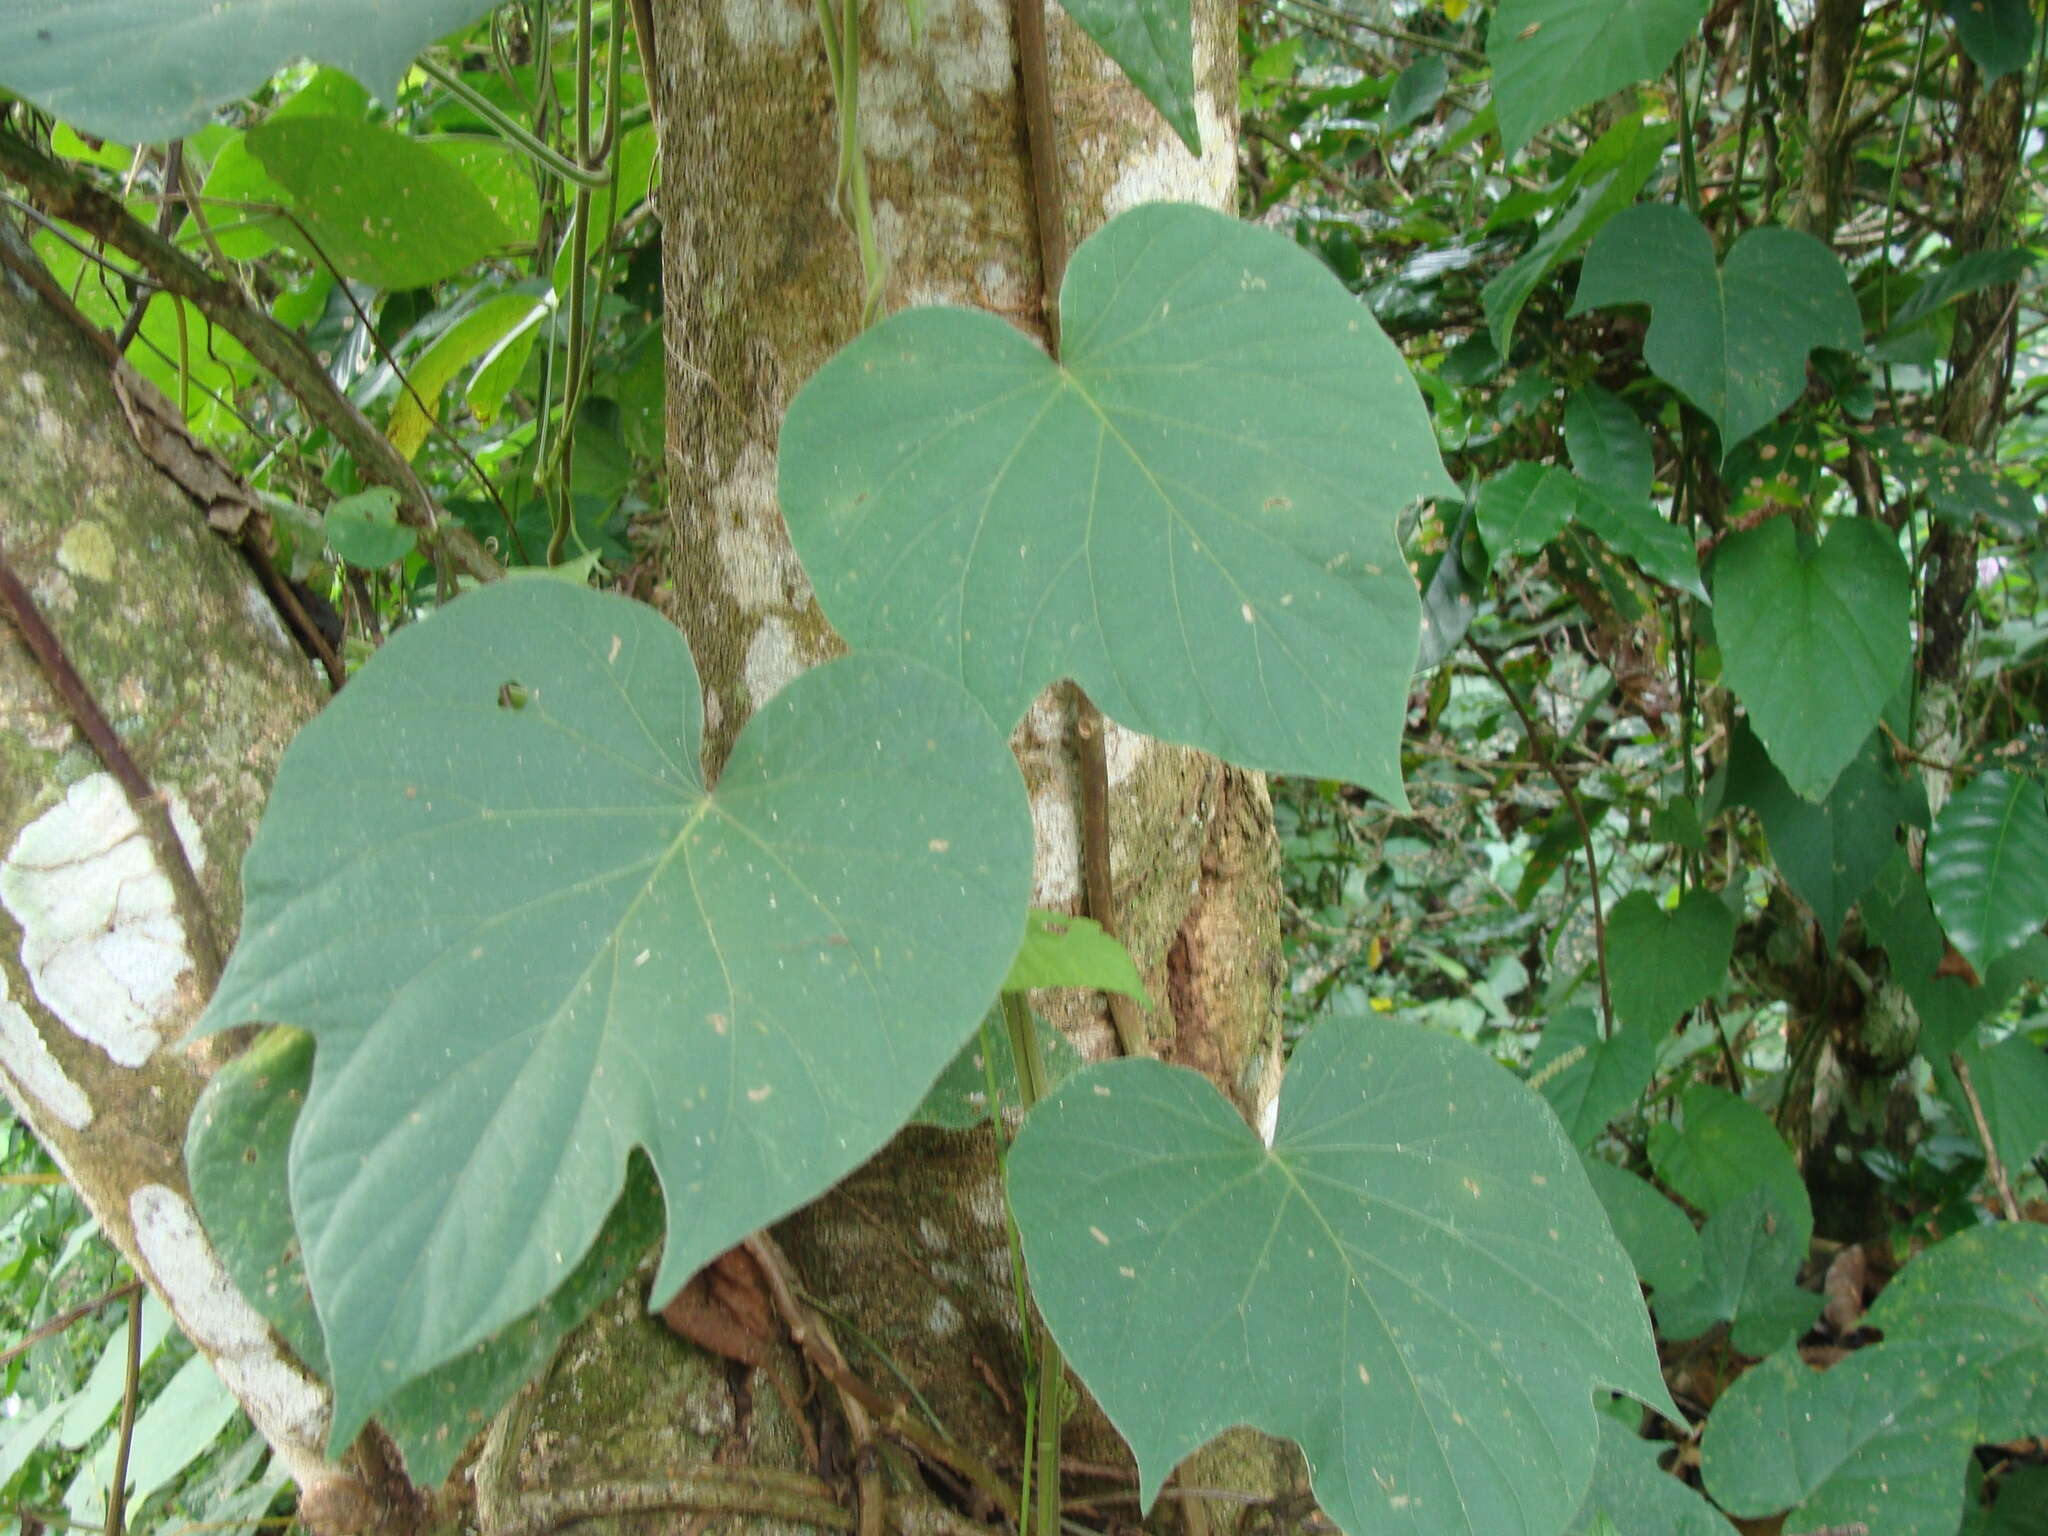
[1413, 1282]
[365, 531]
[493, 885]
[1064, 951]
[1814, 645]
[1733, 339]
[1987, 865]
[1192, 514]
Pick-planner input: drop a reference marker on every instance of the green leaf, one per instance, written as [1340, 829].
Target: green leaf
[1987, 865]
[1637, 148]
[1630, 526]
[1733, 339]
[1829, 853]
[1814, 645]
[146, 70]
[1524, 507]
[1660, 1241]
[959, 1101]
[1064, 951]
[1638, 1495]
[1881, 1439]
[1589, 1081]
[364, 529]
[2011, 1079]
[492, 884]
[1998, 35]
[1962, 488]
[1659, 963]
[236, 1153]
[385, 209]
[1413, 1282]
[1970, 273]
[1417, 90]
[1551, 57]
[1608, 444]
[1720, 1148]
[1193, 515]
[1751, 1251]
[1154, 46]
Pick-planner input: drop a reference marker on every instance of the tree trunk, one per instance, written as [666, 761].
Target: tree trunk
[909, 1260]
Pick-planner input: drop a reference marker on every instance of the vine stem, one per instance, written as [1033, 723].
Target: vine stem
[66, 1318]
[1539, 748]
[1043, 1464]
[1992, 1164]
[152, 810]
[117, 1495]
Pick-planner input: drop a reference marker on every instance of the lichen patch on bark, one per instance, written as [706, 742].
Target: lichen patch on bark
[34, 1069]
[101, 941]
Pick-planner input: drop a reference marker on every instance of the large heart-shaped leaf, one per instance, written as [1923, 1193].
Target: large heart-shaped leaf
[143, 70]
[1192, 514]
[384, 208]
[236, 1154]
[1154, 45]
[1661, 963]
[1879, 1441]
[1987, 865]
[1734, 339]
[1551, 57]
[492, 884]
[1413, 1282]
[1814, 645]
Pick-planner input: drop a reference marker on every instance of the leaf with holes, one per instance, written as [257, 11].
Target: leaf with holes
[1987, 865]
[146, 70]
[492, 884]
[1661, 963]
[1551, 57]
[1413, 1282]
[1154, 45]
[1192, 513]
[1733, 339]
[1814, 645]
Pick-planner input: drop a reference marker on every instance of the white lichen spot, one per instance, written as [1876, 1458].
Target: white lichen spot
[1056, 882]
[87, 550]
[1168, 173]
[932, 1235]
[30, 383]
[714, 711]
[1125, 751]
[100, 936]
[263, 614]
[769, 23]
[998, 286]
[752, 549]
[289, 1410]
[985, 1206]
[772, 659]
[1269, 1120]
[943, 1321]
[35, 1071]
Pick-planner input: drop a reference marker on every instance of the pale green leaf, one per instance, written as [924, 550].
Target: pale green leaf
[364, 529]
[1064, 951]
[1733, 339]
[1413, 1282]
[1814, 645]
[1750, 1256]
[146, 70]
[492, 884]
[1987, 865]
[1192, 515]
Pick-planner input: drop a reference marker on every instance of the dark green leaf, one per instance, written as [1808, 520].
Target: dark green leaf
[1750, 1255]
[1720, 1148]
[1193, 516]
[1630, 526]
[1589, 1080]
[1733, 339]
[1551, 57]
[1987, 865]
[1638, 1496]
[1154, 46]
[144, 70]
[1659, 963]
[1609, 446]
[1660, 1241]
[1418, 89]
[1814, 645]
[1998, 35]
[1524, 507]
[793, 958]
[1427, 1298]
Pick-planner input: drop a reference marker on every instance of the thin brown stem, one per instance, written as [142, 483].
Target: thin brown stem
[131, 1389]
[1048, 200]
[66, 1318]
[1091, 753]
[1992, 1163]
[152, 810]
